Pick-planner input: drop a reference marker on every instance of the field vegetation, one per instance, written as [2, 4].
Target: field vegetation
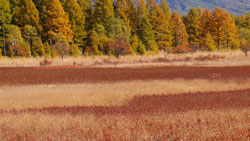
[201, 103]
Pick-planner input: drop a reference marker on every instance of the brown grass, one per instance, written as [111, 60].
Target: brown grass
[104, 94]
[218, 58]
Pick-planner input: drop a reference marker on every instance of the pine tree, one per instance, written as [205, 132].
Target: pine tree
[180, 36]
[161, 26]
[144, 27]
[28, 15]
[192, 22]
[104, 13]
[5, 18]
[57, 21]
[77, 21]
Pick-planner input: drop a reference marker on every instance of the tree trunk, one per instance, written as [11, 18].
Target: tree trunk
[4, 44]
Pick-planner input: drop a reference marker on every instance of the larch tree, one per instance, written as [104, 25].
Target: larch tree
[125, 9]
[144, 27]
[28, 15]
[57, 22]
[200, 10]
[166, 9]
[15, 6]
[192, 22]
[205, 22]
[77, 21]
[104, 13]
[5, 18]
[217, 26]
[180, 36]
[17, 46]
[230, 32]
[160, 26]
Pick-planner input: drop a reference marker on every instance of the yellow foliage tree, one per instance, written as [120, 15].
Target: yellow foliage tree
[180, 36]
[57, 21]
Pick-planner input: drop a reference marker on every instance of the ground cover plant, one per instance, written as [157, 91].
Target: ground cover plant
[143, 103]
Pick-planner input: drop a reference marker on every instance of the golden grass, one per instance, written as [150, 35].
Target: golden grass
[193, 125]
[231, 58]
[104, 94]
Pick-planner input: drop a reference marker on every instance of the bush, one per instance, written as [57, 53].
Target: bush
[11, 53]
[47, 51]
[119, 46]
[61, 46]
[75, 50]
[245, 47]
[141, 48]
[182, 49]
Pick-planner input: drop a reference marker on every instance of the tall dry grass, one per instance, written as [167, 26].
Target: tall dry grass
[104, 94]
[193, 125]
[228, 58]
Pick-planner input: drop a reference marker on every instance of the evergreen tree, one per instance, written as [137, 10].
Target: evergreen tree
[5, 18]
[104, 13]
[192, 22]
[77, 21]
[161, 26]
[57, 21]
[28, 15]
[88, 11]
[180, 36]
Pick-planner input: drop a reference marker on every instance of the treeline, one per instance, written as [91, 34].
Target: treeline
[53, 28]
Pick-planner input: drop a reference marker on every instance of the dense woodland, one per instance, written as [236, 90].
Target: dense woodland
[54, 28]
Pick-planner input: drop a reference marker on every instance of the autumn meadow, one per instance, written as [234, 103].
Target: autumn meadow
[124, 70]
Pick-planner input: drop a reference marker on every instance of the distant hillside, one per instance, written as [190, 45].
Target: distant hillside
[238, 7]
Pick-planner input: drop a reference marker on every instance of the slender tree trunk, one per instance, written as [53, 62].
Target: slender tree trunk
[218, 38]
[4, 44]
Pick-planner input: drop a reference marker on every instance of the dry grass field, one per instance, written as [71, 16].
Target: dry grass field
[200, 97]
[217, 58]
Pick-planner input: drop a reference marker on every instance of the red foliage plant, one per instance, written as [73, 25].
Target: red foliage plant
[119, 46]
